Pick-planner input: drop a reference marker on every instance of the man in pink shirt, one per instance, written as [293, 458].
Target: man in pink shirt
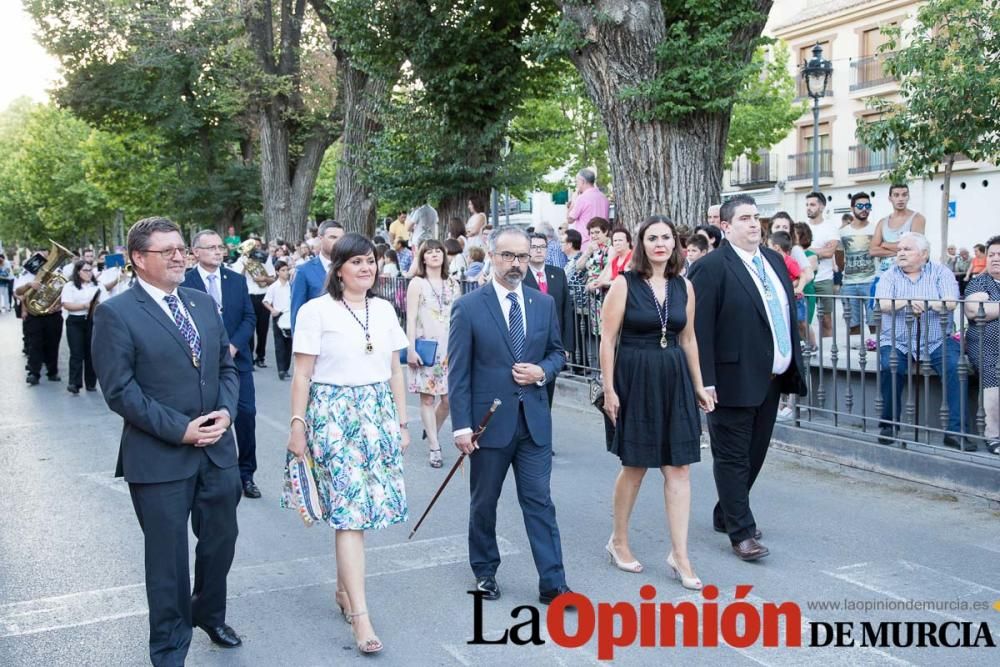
[588, 203]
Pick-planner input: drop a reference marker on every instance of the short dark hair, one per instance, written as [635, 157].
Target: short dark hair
[784, 215]
[452, 247]
[640, 261]
[600, 223]
[350, 246]
[622, 230]
[538, 236]
[902, 186]
[992, 241]
[140, 233]
[980, 247]
[803, 234]
[574, 238]
[713, 233]
[818, 196]
[390, 256]
[425, 247]
[858, 196]
[279, 265]
[698, 241]
[727, 210]
[456, 228]
[328, 224]
[783, 240]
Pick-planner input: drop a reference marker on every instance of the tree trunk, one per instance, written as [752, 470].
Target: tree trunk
[949, 166]
[361, 96]
[456, 205]
[672, 168]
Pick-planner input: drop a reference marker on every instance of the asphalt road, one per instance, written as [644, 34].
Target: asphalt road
[71, 575]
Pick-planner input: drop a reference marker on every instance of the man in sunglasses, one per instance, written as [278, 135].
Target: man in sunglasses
[859, 265]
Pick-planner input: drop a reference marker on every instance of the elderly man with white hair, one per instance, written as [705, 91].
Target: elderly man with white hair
[927, 290]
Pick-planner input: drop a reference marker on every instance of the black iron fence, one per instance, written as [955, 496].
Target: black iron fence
[867, 160]
[800, 165]
[934, 393]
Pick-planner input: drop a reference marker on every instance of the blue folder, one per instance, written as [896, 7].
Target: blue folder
[426, 350]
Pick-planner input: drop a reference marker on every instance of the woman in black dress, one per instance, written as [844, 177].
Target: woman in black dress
[652, 389]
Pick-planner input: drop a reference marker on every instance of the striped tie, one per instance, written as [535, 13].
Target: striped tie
[516, 334]
[187, 329]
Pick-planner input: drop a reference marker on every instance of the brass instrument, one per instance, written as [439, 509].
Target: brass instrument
[252, 262]
[41, 301]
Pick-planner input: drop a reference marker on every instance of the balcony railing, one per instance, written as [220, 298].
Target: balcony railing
[869, 71]
[746, 173]
[865, 160]
[800, 165]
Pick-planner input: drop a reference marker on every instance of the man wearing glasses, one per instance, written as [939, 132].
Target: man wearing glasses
[859, 265]
[513, 353]
[162, 357]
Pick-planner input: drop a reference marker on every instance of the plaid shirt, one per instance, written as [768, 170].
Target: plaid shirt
[935, 282]
[554, 254]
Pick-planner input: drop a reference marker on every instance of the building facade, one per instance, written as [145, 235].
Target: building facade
[849, 32]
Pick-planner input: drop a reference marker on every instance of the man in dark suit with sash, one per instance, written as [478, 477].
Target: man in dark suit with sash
[510, 354]
[748, 346]
[162, 357]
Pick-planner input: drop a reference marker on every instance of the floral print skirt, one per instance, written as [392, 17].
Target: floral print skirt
[354, 438]
[429, 379]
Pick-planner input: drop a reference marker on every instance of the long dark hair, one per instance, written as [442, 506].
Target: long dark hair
[640, 261]
[348, 247]
[431, 244]
[77, 280]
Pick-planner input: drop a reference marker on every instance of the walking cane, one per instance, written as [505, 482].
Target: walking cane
[475, 436]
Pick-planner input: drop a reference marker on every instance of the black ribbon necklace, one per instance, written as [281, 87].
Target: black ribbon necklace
[661, 309]
[369, 348]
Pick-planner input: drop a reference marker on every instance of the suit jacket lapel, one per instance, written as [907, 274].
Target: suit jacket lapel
[157, 314]
[493, 306]
[739, 269]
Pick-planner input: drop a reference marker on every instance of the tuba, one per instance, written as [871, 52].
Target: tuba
[252, 259]
[41, 301]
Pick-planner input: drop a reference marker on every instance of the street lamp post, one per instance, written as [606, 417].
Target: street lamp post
[816, 73]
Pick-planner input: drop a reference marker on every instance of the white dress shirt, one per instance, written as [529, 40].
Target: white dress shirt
[505, 304]
[205, 273]
[781, 362]
[156, 294]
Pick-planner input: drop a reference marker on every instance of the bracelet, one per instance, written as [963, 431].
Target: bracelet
[296, 418]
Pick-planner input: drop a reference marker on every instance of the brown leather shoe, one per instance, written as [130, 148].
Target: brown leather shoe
[750, 549]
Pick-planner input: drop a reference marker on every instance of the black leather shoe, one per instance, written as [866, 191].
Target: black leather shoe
[546, 597]
[250, 489]
[488, 585]
[223, 635]
[32, 379]
[73, 389]
[958, 442]
[282, 375]
[886, 435]
[260, 363]
[750, 549]
[54, 378]
[757, 534]
[91, 388]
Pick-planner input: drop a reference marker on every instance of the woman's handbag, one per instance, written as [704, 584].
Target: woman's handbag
[304, 493]
[597, 385]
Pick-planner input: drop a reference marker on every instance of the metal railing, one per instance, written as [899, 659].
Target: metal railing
[800, 165]
[869, 71]
[744, 172]
[866, 160]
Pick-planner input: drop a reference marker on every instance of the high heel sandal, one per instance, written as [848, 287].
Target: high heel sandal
[633, 566]
[435, 458]
[369, 646]
[690, 583]
[345, 609]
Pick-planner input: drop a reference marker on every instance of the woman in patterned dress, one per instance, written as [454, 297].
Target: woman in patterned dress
[594, 259]
[983, 339]
[349, 410]
[428, 312]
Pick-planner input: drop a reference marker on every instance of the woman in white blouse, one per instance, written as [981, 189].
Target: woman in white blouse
[78, 295]
[349, 412]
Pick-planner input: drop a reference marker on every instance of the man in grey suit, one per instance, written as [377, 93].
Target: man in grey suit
[510, 354]
[162, 357]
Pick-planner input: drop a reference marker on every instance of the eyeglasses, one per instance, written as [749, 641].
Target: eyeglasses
[509, 257]
[167, 253]
[863, 207]
[85, 270]
[217, 248]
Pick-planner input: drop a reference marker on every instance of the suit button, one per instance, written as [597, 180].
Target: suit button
[202, 383]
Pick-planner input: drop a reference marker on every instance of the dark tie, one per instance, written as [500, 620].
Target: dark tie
[186, 328]
[516, 333]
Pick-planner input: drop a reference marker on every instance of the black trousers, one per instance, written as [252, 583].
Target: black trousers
[245, 427]
[263, 316]
[209, 498]
[282, 347]
[740, 438]
[43, 335]
[78, 334]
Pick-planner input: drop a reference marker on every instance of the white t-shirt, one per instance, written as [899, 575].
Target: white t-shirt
[252, 285]
[279, 296]
[325, 328]
[822, 234]
[78, 296]
[799, 255]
